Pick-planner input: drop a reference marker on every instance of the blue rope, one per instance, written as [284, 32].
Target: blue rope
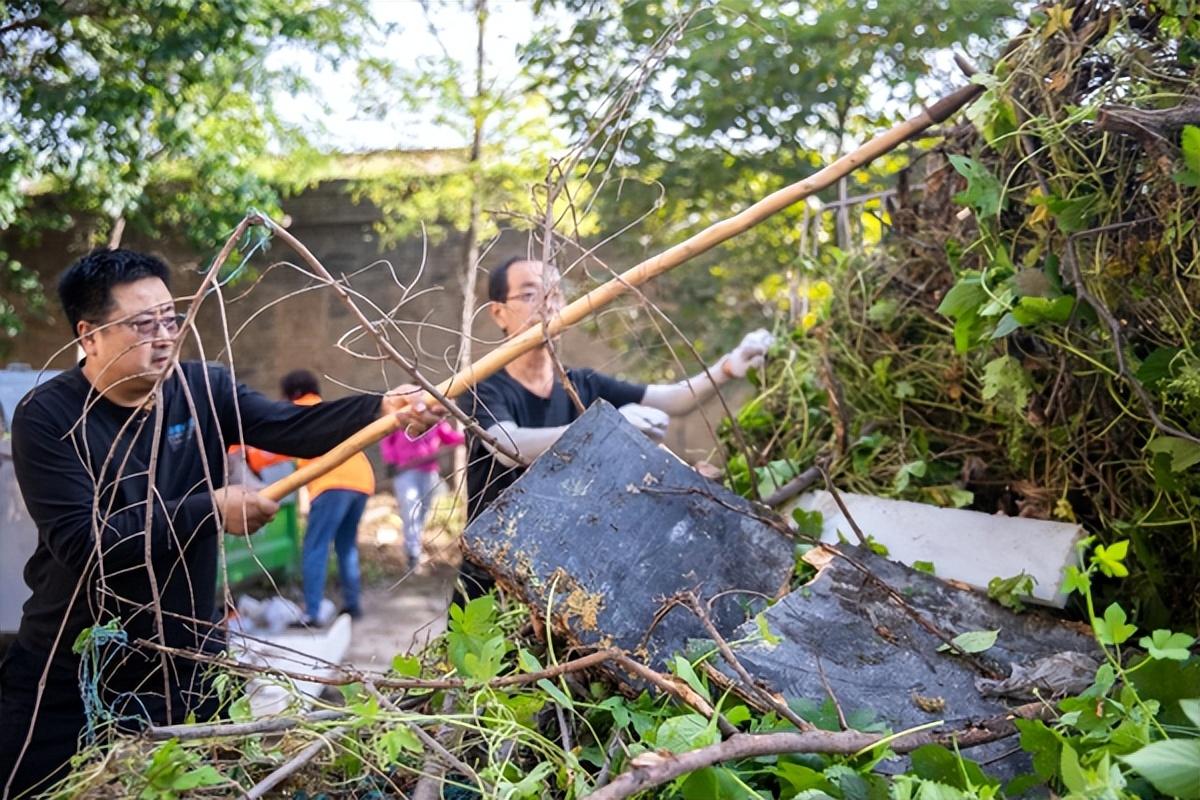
[95, 652]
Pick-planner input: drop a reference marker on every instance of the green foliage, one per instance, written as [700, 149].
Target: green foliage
[1190, 147]
[759, 96]
[174, 772]
[476, 644]
[1009, 591]
[155, 112]
[1171, 766]
[1007, 384]
[499, 146]
[984, 192]
[972, 641]
[1165, 644]
[1112, 629]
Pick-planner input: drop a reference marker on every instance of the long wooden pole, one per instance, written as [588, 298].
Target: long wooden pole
[604, 294]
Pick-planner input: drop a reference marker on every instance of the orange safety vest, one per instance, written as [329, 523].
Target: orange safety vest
[355, 474]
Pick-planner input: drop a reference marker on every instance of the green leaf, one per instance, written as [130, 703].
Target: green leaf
[618, 708]
[559, 696]
[1157, 366]
[933, 762]
[1006, 383]
[764, 632]
[964, 298]
[1007, 324]
[984, 192]
[904, 475]
[924, 566]
[1009, 591]
[406, 666]
[1172, 766]
[1189, 142]
[1033, 310]
[1165, 644]
[1113, 630]
[398, 739]
[683, 668]
[1076, 213]
[1191, 709]
[1111, 559]
[1076, 580]
[195, 778]
[1168, 682]
[1070, 771]
[1184, 453]
[800, 778]
[685, 732]
[808, 523]
[528, 661]
[239, 710]
[1043, 744]
[972, 641]
[716, 783]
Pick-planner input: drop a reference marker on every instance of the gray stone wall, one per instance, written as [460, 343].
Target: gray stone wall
[282, 320]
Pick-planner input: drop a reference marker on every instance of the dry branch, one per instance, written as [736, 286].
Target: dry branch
[293, 766]
[652, 267]
[654, 769]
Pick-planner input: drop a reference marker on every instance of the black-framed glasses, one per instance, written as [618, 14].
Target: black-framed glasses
[147, 326]
[531, 297]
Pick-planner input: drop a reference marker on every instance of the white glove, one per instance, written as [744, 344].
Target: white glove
[649, 421]
[749, 354]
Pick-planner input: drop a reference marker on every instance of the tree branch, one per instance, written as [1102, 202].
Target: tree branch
[653, 769]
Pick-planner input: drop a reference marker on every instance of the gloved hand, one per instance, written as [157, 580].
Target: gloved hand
[749, 354]
[649, 421]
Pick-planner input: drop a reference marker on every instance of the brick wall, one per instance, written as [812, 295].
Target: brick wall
[277, 323]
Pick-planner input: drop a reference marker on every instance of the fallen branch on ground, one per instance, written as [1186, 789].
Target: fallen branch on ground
[654, 769]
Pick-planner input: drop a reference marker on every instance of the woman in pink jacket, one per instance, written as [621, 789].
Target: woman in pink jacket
[416, 482]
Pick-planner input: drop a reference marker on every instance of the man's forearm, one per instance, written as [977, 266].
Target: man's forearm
[528, 442]
[679, 398]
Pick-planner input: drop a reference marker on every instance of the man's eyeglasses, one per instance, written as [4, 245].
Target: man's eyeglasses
[147, 326]
[531, 297]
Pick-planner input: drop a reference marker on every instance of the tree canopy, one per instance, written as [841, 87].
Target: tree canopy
[750, 97]
[149, 111]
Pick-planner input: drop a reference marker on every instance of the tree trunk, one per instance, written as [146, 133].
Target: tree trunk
[471, 242]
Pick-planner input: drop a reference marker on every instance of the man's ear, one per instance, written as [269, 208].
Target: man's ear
[86, 333]
[497, 312]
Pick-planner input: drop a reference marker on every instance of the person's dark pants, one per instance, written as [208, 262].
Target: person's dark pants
[333, 517]
[60, 721]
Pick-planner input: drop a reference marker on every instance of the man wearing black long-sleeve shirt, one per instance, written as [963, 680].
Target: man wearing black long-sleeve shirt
[121, 465]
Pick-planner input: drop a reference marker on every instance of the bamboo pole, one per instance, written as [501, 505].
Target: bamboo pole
[652, 267]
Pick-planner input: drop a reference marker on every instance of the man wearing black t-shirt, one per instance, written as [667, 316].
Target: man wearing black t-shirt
[526, 407]
[121, 463]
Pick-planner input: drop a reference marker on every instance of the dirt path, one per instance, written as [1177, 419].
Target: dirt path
[400, 616]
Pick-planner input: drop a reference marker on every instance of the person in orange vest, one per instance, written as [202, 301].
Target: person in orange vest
[336, 503]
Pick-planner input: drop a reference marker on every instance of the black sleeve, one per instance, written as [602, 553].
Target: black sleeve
[283, 427]
[489, 404]
[618, 392]
[60, 494]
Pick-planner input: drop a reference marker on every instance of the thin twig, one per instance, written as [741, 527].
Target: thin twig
[678, 689]
[693, 603]
[293, 766]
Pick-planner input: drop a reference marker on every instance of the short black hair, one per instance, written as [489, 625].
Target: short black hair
[85, 287]
[498, 280]
[298, 383]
